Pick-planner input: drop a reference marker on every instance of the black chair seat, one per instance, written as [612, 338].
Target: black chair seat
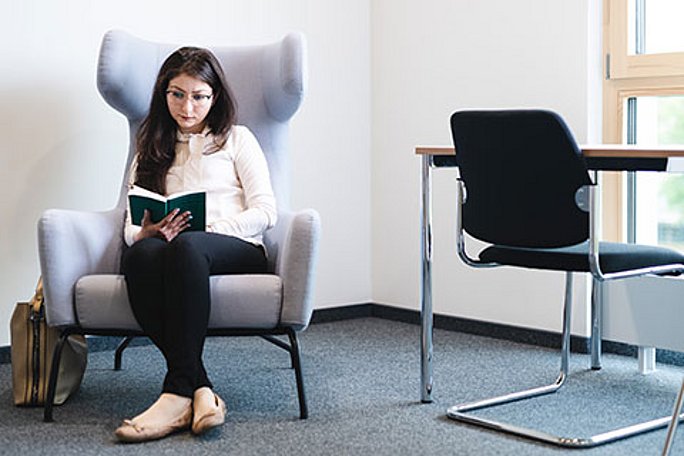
[613, 257]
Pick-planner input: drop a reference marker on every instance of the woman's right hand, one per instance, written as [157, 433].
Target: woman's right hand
[167, 228]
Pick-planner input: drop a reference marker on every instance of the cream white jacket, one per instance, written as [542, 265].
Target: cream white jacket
[240, 200]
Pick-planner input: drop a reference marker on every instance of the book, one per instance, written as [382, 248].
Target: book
[159, 206]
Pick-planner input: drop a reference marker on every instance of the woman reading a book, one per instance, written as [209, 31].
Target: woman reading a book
[189, 142]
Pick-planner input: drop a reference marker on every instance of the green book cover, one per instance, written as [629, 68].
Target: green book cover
[194, 201]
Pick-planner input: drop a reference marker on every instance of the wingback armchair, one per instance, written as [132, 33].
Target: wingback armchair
[80, 252]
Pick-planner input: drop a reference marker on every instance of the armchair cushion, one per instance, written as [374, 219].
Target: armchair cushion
[238, 301]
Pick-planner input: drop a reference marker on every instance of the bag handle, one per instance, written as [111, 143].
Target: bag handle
[38, 299]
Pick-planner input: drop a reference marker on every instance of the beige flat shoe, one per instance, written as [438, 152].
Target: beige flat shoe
[132, 432]
[216, 416]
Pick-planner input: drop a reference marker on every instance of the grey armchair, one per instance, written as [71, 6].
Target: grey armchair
[80, 251]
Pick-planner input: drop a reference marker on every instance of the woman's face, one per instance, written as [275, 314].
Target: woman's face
[189, 101]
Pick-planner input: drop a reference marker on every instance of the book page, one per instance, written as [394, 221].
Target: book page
[139, 191]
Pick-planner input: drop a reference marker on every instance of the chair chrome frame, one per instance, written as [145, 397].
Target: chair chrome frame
[674, 421]
[587, 199]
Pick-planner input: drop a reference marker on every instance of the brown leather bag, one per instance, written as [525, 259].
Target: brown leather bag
[33, 343]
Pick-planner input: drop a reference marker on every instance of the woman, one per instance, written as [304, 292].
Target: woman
[188, 141]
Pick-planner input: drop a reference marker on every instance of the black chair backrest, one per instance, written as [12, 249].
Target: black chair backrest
[522, 169]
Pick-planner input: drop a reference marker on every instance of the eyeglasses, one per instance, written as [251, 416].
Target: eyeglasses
[197, 99]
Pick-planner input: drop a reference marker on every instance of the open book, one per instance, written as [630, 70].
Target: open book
[140, 199]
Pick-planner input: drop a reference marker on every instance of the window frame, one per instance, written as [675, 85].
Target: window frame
[622, 64]
[628, 76]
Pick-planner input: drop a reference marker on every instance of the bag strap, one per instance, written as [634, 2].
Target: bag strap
[38, 299]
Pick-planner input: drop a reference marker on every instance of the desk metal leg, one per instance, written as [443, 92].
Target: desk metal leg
[647, 355]
[426, 377]
[596, 337]
[647, 359]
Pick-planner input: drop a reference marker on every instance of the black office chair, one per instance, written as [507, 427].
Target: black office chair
[524, 188]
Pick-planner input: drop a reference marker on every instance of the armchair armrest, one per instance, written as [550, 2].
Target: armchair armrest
[293, 247]
[72, 244]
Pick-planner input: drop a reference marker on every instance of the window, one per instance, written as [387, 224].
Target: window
[656, 30]
[644, 104]
[658, 120]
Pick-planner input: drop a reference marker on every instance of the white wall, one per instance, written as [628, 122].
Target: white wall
[384, 76]
[429, 59]
[62, 146]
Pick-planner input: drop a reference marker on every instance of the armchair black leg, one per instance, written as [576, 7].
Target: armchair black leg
[52, 381]
[119, 351]
[296, 361]
[279, 343]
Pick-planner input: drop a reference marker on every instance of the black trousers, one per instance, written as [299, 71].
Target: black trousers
[168, 288]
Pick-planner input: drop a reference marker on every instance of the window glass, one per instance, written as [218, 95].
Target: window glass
[659, 196]
[655, 26]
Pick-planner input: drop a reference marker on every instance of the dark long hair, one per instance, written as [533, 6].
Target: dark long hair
[156, 140]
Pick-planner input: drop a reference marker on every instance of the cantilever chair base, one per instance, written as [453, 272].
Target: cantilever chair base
[461, 412]
[568, 442]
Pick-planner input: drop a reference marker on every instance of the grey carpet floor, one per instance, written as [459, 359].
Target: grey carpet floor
[362, 379]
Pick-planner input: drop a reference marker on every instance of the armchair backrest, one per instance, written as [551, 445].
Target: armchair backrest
[522, 170]
[268, 82]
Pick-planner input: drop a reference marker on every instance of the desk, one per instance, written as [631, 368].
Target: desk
[604, 157]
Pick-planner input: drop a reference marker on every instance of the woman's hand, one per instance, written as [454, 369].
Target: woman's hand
[167, 229]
